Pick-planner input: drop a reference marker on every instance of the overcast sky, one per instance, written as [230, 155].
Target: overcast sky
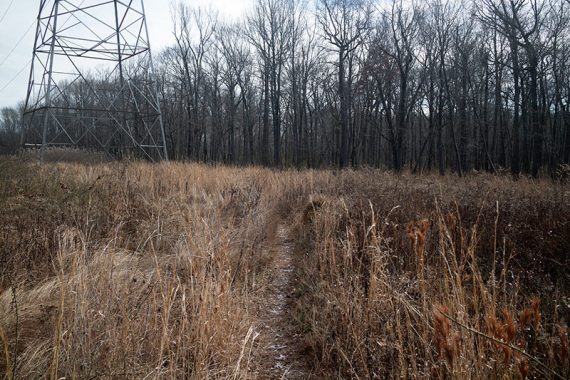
[17, 29]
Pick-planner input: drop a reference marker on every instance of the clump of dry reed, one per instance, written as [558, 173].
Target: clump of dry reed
[424, 277]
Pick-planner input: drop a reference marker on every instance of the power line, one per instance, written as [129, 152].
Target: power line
[28, 30]
[6, 11]
[17, 44]
[16, 76]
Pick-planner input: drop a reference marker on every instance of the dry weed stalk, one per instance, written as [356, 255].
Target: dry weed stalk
[6, 355]
[159, 268]
[353, 255]
[564, 345]
[523, 357]
[447, 342]
[417, 233]
[142, 284]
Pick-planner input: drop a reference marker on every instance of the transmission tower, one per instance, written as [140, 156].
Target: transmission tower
[92, 82]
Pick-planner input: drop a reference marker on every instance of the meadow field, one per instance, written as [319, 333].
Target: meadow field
[136, 270]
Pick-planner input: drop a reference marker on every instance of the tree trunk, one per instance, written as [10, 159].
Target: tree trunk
[515, 155]
[536, 129]
[343, 154]
[265, 130]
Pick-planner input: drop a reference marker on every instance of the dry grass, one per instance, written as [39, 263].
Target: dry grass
[437, 278]
[132, 270]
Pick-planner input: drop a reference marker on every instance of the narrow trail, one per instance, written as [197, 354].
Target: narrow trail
[278, 356]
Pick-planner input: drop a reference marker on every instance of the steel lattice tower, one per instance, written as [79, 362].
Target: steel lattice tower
[92, 82]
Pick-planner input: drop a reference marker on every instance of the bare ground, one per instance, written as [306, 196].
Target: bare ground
[277, 355]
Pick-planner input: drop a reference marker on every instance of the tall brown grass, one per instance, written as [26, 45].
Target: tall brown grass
[427, 277]
[134, 270]
[130, 270]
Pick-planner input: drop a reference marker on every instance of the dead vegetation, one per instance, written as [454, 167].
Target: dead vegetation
[132, 270]
[437, 278]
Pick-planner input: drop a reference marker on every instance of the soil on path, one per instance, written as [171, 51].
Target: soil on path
[277, 355]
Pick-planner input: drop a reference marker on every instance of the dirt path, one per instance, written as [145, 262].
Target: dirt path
[277, 356]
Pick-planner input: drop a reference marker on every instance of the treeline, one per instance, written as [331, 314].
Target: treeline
[432, 85]
[10, 129]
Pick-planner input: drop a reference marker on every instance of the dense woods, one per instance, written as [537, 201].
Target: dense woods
[427, 86]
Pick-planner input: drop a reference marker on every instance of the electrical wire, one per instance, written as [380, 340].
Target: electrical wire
[26, 33]
[17, 44]
[6, 11]
[16, 76]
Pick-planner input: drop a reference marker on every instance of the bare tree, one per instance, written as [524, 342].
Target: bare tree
[10, 129]
[269, 29]
[344, 25]
[453, 85]
[194, 33]
[396, 40]
[519, 21]
[237, 81]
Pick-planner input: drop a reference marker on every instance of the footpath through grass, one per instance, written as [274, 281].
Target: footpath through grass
[134, 270]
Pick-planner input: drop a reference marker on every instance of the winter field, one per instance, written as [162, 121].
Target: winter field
[172, 270]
